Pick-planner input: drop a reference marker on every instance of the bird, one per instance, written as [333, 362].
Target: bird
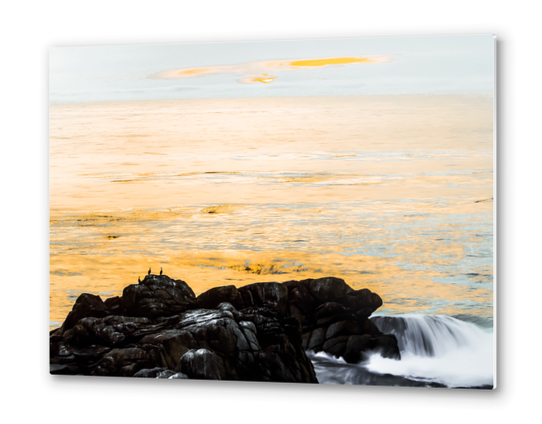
[160, 271]
[139, 279]
[149, 273]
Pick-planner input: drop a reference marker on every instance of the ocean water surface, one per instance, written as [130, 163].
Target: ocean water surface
[393, 193]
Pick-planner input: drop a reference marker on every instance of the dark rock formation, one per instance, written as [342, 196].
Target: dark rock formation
[259, 332]
[334, 318]
[157, 296]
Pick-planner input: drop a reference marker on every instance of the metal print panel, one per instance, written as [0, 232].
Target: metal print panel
[315, 211]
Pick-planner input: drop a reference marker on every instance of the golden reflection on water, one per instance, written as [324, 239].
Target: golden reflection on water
[264, 78]
[393, 193]
[326, 61]
[262, 68]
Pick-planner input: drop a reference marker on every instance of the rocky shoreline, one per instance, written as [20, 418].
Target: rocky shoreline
[260, 332]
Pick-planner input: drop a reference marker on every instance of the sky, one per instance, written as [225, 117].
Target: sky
[394, 65]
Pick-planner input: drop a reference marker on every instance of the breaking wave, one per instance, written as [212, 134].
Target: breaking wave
[436, 351]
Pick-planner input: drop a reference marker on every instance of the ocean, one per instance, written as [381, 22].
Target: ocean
[389, 192]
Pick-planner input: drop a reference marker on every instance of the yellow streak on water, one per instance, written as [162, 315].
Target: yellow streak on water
[194, 71]
[372, 189]
[259, 67]
[263, 79]
[329, 61]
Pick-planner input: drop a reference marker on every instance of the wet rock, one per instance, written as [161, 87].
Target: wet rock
[328, 289]
[259, 332]
[342, 327]
[157, 295]
[175, 342]
[336, 345]
[386, 345]
[166, 374]
[272, 296]
[317, 339]
[124, 362]
[330, 309]
[249, 330]
[331, 313]
[301, 297]
[369, 327]
[355, 348]
[361, 300]
[150, 373]
[217, 295]
[58, 369]
[113, 304]
[109, 331]
[178, 376]
[86, 305]
[89, 353]
[202, 364]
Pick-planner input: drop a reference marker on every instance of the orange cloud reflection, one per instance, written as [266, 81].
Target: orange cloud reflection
[331, 61]
[264, 78]
[195, 71]
[256, 71]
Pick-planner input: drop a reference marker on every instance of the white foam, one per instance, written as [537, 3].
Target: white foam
[434, 349]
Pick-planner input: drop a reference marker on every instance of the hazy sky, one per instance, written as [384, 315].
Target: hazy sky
[444, 64]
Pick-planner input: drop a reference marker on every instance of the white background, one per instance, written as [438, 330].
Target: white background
[28, 29]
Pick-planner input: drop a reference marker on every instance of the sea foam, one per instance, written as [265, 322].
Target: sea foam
[436, 350]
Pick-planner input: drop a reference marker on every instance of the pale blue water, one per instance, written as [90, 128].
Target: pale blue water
[445, 64]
